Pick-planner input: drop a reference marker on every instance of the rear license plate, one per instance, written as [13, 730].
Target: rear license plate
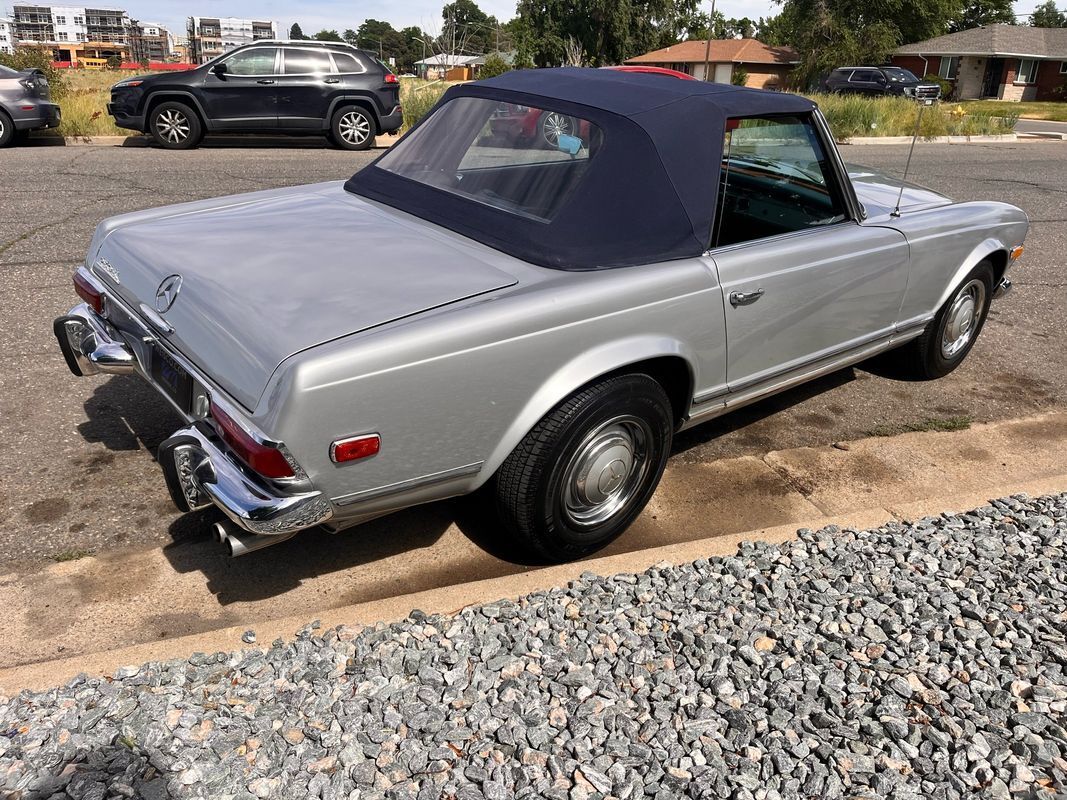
[175, 381]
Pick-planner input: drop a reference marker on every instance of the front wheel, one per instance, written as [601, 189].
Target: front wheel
[174, 126]
[952, 333]
[585, 471]
[352, 129]
[553, 125]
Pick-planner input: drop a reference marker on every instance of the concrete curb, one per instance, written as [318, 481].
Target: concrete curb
[452, 599]
[869, 140]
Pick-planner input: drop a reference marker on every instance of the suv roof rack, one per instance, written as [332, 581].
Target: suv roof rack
[303, 42]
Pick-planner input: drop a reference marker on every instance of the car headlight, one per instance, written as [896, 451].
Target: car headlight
[127, 84]
[909, 90]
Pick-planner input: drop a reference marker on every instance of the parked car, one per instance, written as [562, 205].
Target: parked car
[297, 88]
[880, 81]
[25, 104]
[539, 322]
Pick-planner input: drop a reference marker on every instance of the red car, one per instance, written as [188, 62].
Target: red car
[520, 124]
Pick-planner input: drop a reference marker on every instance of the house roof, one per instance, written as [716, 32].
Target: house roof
[995, 40]
[450, 60]
[738, 51]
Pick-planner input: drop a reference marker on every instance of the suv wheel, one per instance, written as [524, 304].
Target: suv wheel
[174, 126]
[553, 125]
[352, 128]
[7, 130]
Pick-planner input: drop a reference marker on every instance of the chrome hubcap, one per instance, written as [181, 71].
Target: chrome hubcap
[556, 125]
[606, 471]
[173, 126]
[354, 128]
[962, 318]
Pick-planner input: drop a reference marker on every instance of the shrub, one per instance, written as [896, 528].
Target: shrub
[32, 58]
[947, 87]
[739, 77]
[418, 97]
[851, 115]
[114, 62]
[494, 65]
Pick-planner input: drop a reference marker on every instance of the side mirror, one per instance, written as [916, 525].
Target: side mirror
[566, 143]
[219, 69]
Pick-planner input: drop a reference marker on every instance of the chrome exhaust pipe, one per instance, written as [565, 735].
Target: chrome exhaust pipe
[219, 532]
[241, 543]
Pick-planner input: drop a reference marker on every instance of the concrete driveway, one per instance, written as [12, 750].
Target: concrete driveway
[76, 457]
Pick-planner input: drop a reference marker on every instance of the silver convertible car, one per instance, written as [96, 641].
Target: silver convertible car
[535, 315]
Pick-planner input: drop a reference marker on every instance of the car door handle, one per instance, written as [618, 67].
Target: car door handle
[333, 80]
[265, 81]
[745, 298]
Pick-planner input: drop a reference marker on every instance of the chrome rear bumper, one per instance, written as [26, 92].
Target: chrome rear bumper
[1003, 289]
[199, 471]
[198, 467]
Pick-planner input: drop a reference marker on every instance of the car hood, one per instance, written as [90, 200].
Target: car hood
[267, 275]
[878, 192]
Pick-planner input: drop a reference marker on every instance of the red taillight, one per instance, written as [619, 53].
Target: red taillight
[391, 78]
[355, 448]
[267, 461]
[88, 293]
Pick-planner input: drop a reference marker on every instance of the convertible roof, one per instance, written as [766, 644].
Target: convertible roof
[649, 192]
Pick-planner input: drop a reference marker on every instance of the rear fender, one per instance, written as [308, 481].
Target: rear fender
[580, 371]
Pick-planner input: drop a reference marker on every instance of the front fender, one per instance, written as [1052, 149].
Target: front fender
[981, 251]
[579, 371]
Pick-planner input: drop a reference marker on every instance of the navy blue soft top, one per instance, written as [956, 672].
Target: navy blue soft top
[649, 193]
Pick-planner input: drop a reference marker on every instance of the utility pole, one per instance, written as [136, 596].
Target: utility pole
[707, 47]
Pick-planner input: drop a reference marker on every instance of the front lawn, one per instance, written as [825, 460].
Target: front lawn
[1055, 111]
[851, 116]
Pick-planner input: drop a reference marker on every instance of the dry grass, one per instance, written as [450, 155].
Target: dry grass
[850, 116]
[84, 103]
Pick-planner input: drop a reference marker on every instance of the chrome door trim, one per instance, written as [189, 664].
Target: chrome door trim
[411, 483]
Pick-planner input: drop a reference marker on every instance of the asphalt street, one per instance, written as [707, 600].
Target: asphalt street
[76, 465]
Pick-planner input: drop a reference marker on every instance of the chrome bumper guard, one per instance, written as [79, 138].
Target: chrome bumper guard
[1003, 289]
[88, 347]
[199, 472]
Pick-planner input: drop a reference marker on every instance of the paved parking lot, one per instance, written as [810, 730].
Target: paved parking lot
[76, 454]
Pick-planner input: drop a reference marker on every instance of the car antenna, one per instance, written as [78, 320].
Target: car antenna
[907, 165]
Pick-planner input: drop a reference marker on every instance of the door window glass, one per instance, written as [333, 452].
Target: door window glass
[862, 76]
[307, 62]
[259, 61]
[775, 178]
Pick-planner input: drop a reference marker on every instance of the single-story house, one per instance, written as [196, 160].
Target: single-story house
[1005, 62]
[448, 66]
[767, 67]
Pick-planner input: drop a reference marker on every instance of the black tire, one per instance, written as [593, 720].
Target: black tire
[352, 128]
[538, 496]
[937, 352]
[553, 124]
[7, 130]
[175, 126]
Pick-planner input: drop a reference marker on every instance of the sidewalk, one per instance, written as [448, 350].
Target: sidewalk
[98, 613]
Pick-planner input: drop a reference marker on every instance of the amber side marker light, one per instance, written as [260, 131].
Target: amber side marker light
[355, 448]
[1015, 252]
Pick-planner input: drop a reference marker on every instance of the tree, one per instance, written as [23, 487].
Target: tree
[327, 36]
[468, 29]
[350, 36]
[296, 33]
[739, 76]
[1047, 15]
[977, 13]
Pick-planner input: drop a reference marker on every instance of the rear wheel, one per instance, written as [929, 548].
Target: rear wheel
[584, 473]
[174, 126]
[553, 125]
[352, 128]
[952, 333]
[7, 130]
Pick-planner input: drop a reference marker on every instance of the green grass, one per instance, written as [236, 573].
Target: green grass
[938, 424]
[1055, 111]
[418, 96]
[851, 116]
[70, 554]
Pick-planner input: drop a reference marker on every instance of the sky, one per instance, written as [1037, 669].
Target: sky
[314, 15]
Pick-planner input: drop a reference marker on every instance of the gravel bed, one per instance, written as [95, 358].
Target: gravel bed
[923, 660]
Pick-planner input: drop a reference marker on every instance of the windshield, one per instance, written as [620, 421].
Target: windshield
[899, 75]
[515, 158]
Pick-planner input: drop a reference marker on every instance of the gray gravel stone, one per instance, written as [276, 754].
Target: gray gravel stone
[921, 660]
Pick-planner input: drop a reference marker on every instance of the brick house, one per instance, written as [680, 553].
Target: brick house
[1004, 62]
[767, 67]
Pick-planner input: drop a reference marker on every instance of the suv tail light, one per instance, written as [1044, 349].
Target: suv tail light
[87, 292]
[391, 78]
[267, 461]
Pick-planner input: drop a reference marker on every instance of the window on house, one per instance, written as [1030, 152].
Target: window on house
[949, 67]
[1027, 71]
[61, 20]
[1063, 68]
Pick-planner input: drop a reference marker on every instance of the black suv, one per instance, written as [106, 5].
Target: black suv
[880, 80]
[273, 87]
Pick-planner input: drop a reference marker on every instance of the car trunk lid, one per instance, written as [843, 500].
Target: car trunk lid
[264, 279]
